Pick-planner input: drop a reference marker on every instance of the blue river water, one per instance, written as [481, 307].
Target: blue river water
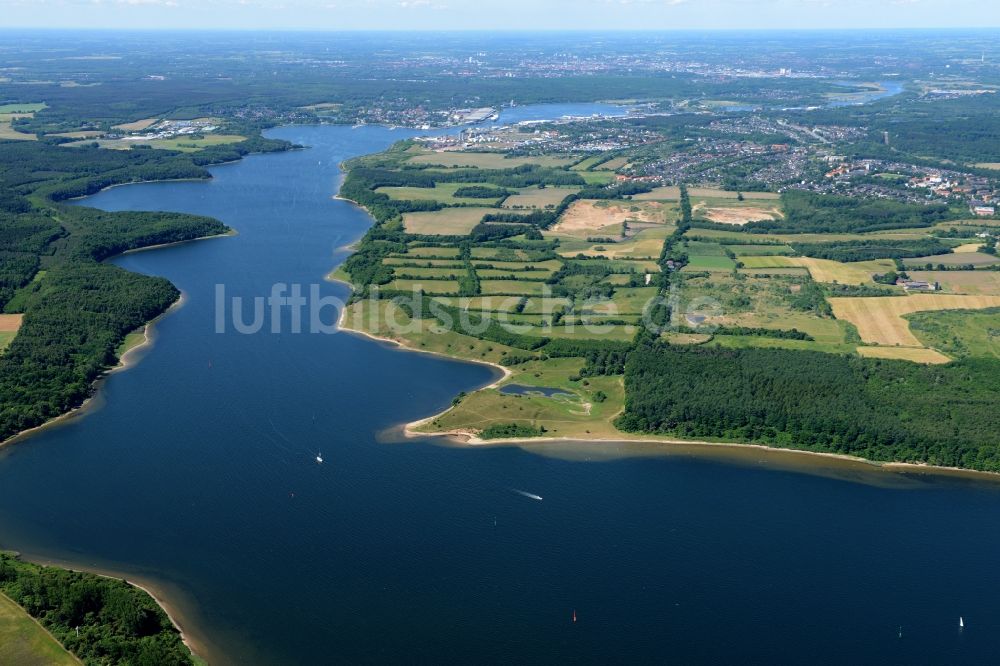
[196, 474]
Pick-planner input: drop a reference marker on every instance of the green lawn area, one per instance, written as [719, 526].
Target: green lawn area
[5, 339]
[430, 286]
[533, 197]
[511, 287]
[447, 222]
[434, 273]
[23, 642]
[442, 192]
[22, 107]
[488, 273]
[407, 260]
[959, 333]
[418, 251]
[597, 177]
[703, 262]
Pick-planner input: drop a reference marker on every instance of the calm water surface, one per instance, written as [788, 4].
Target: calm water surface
[198, 474]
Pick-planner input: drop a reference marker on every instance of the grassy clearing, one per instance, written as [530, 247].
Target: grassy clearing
[9, 133]
[881, 321]
[441, 192]
[917, 355]
[511, 287]
[429, 286]
[456, 158]
[645, 244]
[959, 333]
[533, 197]
[709, 262]
[989, 165]
[761, 250]
[9, 325]
[492, 273]
[131, 341]
[581, 414]
[597, 177]
[23, 642]
[22, 107]
[424, 263]
[137, 125]
[859, 272]
[417, 251]
[447, 222]
[433, 273]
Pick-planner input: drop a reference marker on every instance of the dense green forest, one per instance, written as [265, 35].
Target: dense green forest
[807, 212]
[877, 409]
[101, 620]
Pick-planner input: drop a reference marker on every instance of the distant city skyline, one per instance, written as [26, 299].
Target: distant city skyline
[497, 15]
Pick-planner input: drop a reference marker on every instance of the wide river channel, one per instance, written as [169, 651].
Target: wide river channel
[196, 475]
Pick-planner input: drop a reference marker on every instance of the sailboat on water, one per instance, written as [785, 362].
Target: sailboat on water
[961, 622]
[319, 458]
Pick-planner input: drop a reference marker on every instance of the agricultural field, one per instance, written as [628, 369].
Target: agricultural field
[881, 320]
[9, 325]
[558, 299]
[962, 282]
[441, 192]
[855, 272]
[11, 112]
[589, 218]
[446, 222]
[137, 125]
[957, 259]
[534, 197]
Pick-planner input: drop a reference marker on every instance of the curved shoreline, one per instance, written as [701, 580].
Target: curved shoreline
[466, 438]
[95, 400]
[197, 646]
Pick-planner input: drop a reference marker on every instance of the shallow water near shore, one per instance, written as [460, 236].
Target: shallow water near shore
[197, 474]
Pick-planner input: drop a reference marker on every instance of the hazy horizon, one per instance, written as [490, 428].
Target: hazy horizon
[509, 15]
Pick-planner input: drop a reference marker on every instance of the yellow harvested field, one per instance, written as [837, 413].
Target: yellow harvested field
[989, 165]
[447, 221]
[917, 355]
[741, 215]
[968, 247]
[137, 126]
[8, 132]
[601, 218]
[880, 321]
[825, 270]
[10, 323]
[962, 282]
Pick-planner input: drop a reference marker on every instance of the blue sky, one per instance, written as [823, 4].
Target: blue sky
[499, 14]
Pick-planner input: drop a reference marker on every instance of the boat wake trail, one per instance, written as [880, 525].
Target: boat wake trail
[527, 494]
